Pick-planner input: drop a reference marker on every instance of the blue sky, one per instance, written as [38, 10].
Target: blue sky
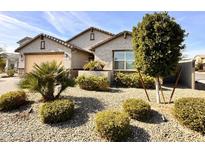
[16, 25]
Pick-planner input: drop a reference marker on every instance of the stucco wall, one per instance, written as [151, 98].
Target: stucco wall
[50, 46]
[104, 53]
[79, 59]
[84, 41]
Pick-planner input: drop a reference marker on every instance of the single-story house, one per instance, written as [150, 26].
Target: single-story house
[200, 59]
[11, 61]
[115, 51]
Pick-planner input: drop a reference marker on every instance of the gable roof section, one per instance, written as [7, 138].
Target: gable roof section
[110, 39]
[89, 29]
[69, 45]
[24, 39]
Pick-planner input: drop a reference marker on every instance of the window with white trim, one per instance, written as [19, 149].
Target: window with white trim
[92, 36]
[42, 44]
[124, 60]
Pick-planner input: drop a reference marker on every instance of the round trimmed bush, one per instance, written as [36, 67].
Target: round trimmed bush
[191, 113]
[113, 125]
[12, 100]
[137, 109]
[98, 83]
[56, 111]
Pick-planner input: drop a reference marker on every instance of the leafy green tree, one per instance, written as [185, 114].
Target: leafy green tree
[49, 79]
[2, 60]
[158, 43]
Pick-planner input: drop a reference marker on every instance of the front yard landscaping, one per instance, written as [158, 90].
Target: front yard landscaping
[24, 124]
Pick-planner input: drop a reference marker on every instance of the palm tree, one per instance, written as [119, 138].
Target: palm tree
[49, 79]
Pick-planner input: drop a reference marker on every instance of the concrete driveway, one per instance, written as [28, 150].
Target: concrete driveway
[200, 80]
[200, 76]
[8, 84]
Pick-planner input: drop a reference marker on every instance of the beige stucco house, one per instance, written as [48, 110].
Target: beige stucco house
[199, 59]
[115, 51]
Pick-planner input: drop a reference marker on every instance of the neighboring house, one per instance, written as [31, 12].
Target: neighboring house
[11, 61]
[115, 51]
[199, 59]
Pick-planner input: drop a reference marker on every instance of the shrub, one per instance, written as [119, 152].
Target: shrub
[12, 100]
[137, 109]
[191, 113]
[113, 125]
[2, 64]
[94, 66]
[92, 82]
[10, 72]
[56, 111]
[199, 66]
[133, 80]
[45, 78]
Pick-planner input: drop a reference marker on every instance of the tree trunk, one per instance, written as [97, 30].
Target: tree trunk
[157, 90]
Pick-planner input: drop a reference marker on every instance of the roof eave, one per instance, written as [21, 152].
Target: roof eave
[90, 28]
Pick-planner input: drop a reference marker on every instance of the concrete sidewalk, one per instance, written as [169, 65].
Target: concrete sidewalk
[8, 84]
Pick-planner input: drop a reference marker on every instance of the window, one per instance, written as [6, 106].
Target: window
[42, 44]
[92, 36]
[123, 60]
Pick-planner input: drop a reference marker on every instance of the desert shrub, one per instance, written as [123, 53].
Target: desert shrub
[92, 82]
[12, 100]
[49, 79]
[94, 66]
[113, 125]
[133, 80]
[137, 109]
[199, 66]
[56, 111]
[10, 72]
[2, 64]
[191, 113]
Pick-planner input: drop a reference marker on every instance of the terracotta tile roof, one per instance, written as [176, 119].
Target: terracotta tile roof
[69, 45]
[110, 39]
[89, 29]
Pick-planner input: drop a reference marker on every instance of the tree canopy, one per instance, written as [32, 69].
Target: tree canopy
[158, 42]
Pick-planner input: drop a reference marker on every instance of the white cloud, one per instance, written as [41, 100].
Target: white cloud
[69, 22]
[12, 30]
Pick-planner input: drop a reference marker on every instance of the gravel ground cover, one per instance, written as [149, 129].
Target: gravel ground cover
[24, 124]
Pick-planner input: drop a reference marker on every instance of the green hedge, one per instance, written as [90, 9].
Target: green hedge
[56, 111]
[137, 109]
[12, 100]
[113, 125]
[97, 83]
[133, 80]
[10, 72]
[191, 113]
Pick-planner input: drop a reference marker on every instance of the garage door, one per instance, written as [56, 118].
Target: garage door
[31, 59]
